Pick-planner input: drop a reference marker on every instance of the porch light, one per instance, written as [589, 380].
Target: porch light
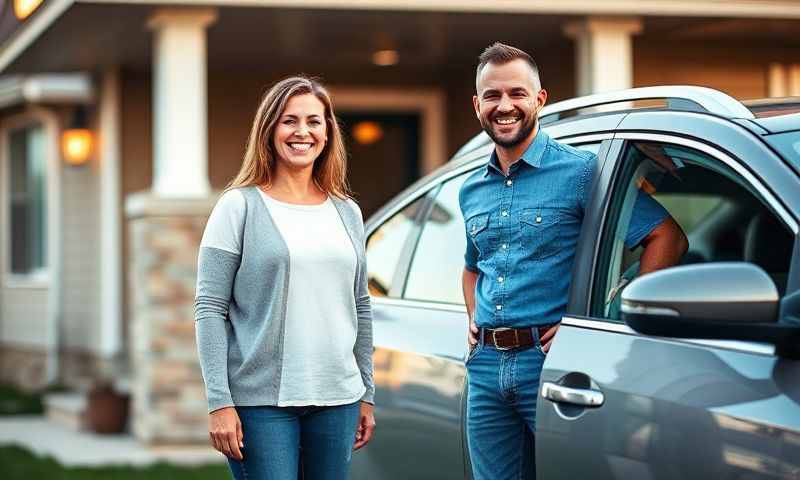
[23, 8]
[385, 58]
[367, 133]
[76, 141]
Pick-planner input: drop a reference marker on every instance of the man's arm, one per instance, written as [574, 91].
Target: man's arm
[468, 281]
[663, 247]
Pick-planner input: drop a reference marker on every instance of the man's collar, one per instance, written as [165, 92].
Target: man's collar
[532, 155]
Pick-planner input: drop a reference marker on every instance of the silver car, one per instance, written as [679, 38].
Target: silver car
[688, 373]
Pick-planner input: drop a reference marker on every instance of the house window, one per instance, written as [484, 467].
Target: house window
[27, 200]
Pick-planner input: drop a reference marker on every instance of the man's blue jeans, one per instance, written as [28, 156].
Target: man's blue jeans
[276, 438]
[501, 406]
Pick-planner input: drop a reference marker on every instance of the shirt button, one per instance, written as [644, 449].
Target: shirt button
[509, 182]
[504, 213]
[504, 246]
[538, 219]
[498, 307]
[500, 279]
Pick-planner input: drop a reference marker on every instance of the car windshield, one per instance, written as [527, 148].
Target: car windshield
[788, 144]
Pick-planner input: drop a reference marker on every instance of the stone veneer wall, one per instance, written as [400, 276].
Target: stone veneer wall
[169, 403]
[23, 368]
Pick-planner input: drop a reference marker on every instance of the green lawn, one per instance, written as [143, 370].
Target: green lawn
[18, 464]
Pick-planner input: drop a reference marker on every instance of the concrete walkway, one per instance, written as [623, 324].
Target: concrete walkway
[85, 449]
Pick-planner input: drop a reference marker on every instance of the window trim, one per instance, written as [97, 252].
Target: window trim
[46, 277]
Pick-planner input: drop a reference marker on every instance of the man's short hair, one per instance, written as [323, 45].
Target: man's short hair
[499, 54]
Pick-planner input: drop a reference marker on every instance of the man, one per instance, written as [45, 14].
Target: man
[523, 215]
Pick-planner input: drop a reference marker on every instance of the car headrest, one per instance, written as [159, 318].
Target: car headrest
[768, 244]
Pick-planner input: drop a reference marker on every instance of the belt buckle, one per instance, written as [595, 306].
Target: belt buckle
[503, 329]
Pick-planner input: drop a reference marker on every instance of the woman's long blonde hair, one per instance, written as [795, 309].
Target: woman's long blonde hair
[258, 166]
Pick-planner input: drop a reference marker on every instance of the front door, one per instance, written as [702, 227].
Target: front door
[658, 408]
[383, 155]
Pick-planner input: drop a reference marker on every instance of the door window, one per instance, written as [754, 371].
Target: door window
[723, 217]
[385, 249]
[435, 273]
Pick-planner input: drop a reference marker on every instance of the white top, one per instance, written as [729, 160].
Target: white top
[319, 367]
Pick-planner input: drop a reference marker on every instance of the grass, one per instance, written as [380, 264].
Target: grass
[15, 402]
[18, 463]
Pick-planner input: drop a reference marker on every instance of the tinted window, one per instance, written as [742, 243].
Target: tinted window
[435, 273]
[385, 249]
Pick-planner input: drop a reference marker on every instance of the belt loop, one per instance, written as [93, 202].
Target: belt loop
[481, 337]
[537, 342]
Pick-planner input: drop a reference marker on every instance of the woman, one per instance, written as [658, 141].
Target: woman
[283, 318]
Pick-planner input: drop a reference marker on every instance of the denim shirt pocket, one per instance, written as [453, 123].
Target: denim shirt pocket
[478, 230]
[541, 232]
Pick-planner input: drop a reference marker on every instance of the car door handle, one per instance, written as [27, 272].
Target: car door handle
[577, 396]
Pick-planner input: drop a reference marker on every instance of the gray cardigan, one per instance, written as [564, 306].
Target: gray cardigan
[240, 309]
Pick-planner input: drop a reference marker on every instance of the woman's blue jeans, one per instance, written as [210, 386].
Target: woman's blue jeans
[278, 441]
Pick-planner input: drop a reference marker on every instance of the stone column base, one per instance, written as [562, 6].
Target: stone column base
[169, 403]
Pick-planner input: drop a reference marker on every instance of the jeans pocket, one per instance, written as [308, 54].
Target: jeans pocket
[472, 352]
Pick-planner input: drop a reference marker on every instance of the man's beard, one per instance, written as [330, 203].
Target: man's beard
[528, 124]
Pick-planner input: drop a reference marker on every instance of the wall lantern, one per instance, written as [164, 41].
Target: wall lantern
[24, 8]
[367, 133]
[76, 141]
[385, 58]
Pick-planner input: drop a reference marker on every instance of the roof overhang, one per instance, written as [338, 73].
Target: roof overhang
[785, 9]
[52, 10]
[73, 88]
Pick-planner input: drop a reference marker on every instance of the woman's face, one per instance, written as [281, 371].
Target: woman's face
[301, 132]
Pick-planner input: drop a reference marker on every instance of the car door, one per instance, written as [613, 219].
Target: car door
[415, 259]
[615, 404]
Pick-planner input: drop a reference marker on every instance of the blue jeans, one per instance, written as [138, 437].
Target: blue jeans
[278, 439]
[501, 411]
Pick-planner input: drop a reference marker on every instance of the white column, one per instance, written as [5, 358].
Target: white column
[603, 52]
[777, 79]
[794, 80]
[180, 102]
[110, 216]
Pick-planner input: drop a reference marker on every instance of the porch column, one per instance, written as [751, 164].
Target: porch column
[783, 80]
[180, 131]
[165, 226]
[603, 52]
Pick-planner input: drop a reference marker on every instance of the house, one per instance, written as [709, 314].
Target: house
[97, 268]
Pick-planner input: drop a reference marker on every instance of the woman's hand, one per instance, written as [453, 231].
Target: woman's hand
[225, 431]
[366, 425]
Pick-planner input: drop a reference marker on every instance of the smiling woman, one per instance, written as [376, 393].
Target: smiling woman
[287, 358]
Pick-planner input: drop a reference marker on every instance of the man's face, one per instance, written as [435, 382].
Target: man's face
[508, 101]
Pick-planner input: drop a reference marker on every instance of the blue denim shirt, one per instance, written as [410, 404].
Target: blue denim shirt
[522, 231]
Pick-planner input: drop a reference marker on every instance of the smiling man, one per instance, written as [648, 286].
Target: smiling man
[523, 215]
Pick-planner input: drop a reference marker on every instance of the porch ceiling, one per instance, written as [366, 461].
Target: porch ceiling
[93, 36]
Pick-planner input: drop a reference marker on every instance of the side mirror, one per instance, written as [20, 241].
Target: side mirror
[713, 292]
[723, 301]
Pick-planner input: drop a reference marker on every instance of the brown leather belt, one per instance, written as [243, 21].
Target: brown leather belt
[512, 338]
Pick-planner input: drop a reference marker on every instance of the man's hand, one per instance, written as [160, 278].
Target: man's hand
[366, 425]
[547, 338]
[472, 333]
[225, 431]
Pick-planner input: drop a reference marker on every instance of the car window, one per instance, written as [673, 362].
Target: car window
[385, 247]
[435, 273]
[722, 216]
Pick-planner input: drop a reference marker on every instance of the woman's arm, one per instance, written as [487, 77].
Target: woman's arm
[217, 264]
[363, 347]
